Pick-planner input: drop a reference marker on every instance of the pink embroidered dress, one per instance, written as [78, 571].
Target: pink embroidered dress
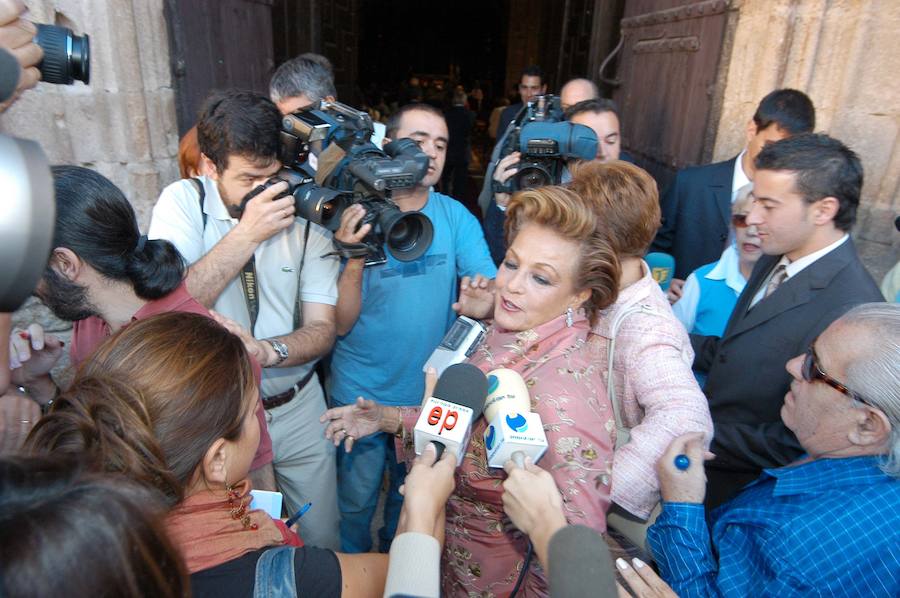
[483, 551]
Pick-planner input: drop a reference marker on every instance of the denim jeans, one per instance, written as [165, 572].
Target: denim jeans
[360, 473]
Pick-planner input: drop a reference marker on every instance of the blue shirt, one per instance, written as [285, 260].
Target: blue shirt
[830, 527]
[710, 294]
[406, 311]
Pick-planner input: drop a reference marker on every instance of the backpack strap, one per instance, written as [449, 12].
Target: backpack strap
[275, 574]
[201, 196]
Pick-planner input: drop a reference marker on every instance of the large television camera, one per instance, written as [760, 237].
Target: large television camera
[546, 143]
[352, 170]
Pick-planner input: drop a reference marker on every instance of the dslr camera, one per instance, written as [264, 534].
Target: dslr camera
[546, 143]
[352, 170]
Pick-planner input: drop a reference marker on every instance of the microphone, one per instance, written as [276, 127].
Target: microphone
[580, 564]
[447, 416]
[662, 267]
[10, 71]
[514, 432]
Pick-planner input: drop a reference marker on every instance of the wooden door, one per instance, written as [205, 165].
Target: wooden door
[670, 86]
[216, 44]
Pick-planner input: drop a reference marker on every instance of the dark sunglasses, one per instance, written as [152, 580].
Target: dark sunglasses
[739, 221]
[811, 371]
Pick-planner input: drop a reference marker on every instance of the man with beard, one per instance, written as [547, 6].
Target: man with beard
[266, 271]
[102, 275]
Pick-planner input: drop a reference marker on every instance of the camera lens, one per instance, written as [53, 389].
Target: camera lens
[408, 235]
[67, 57]
[532, 176]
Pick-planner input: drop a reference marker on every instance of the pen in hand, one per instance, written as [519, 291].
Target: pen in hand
[290, 522]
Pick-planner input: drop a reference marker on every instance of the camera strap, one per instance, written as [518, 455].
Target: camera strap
[349, 251]
[248, 272]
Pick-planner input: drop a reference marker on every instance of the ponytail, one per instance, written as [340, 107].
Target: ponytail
[96, 221]
[104, 423]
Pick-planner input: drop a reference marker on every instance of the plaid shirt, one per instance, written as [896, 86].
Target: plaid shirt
[830, 527]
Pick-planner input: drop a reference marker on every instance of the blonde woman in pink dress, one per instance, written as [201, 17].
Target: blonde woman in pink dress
[559, 271]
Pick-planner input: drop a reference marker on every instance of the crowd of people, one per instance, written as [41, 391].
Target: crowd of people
[736, 436]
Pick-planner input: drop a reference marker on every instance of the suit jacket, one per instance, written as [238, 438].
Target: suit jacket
[747, 378]
[696, 215]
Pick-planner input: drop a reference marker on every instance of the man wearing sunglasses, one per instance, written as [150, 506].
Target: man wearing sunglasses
[806, 191]
[826, 525]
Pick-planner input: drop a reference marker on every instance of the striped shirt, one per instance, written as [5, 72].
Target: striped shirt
[829, 527]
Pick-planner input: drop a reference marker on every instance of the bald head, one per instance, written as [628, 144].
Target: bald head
[577, 90]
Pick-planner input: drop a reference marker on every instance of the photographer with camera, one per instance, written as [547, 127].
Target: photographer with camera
[390, 317]
[261, 267]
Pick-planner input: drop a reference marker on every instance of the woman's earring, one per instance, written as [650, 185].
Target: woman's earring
[570, 317]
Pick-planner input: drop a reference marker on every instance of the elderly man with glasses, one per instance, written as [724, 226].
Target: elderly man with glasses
[829, 523]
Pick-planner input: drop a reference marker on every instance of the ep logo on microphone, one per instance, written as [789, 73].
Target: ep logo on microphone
[443, 422]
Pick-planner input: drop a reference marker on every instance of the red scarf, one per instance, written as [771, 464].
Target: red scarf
[209, 529]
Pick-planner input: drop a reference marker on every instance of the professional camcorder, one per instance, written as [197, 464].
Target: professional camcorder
[352, 170]
[546, 142]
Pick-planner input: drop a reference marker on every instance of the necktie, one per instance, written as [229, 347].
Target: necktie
[778, 277]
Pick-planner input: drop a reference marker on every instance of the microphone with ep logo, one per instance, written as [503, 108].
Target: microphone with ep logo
[447, 416]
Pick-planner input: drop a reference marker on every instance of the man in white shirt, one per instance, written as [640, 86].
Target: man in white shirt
[806, 190]
[263, 269]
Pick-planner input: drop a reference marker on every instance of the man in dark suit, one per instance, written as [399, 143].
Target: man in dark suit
[696, 209]
[806, 191]
[530, 84]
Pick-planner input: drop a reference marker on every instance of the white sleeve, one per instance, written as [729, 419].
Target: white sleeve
[178, 218]
[685, 309]
[414, 567]
[318, 280]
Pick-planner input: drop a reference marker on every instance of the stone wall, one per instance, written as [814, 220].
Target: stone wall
[843, 53]
[123, 123]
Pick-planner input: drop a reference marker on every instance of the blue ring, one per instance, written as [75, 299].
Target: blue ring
[682, 462]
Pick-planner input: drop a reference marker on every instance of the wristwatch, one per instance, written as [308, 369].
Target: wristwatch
[280, 349]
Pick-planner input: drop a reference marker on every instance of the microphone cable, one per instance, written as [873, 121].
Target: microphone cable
[525, 565]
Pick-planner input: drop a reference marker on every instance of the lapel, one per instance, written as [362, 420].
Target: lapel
[795, 291]
[720, 185]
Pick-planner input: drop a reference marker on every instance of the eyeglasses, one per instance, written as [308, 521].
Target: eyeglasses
[739, 221]
[811, 371]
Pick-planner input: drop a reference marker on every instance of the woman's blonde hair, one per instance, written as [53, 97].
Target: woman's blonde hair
[573, 218]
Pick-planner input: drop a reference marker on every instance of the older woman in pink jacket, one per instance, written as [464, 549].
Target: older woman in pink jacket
[652, 386]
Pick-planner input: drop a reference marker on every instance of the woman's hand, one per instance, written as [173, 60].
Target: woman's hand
[350, 423]
[505, 169]
[428, 486]
[642, 580]
[476, 297]
[683, 485]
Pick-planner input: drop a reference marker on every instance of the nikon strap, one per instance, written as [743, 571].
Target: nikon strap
[248, 272]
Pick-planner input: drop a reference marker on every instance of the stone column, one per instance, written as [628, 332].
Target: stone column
[843, 53]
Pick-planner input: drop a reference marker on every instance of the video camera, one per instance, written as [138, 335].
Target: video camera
[546, 142]
[352, 170]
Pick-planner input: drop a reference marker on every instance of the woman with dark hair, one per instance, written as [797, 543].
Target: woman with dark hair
[169, 402]
[103, 275]
[559, 271]
[66, 532]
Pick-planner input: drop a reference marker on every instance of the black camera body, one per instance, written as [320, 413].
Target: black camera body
[352, 170]
[546, 143]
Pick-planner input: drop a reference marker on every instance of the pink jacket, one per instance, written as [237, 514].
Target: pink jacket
[654, 386]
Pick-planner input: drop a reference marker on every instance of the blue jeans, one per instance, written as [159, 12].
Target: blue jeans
[359, 483]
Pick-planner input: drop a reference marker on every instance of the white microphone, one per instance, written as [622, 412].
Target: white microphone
[447, 416]
[513, 431]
